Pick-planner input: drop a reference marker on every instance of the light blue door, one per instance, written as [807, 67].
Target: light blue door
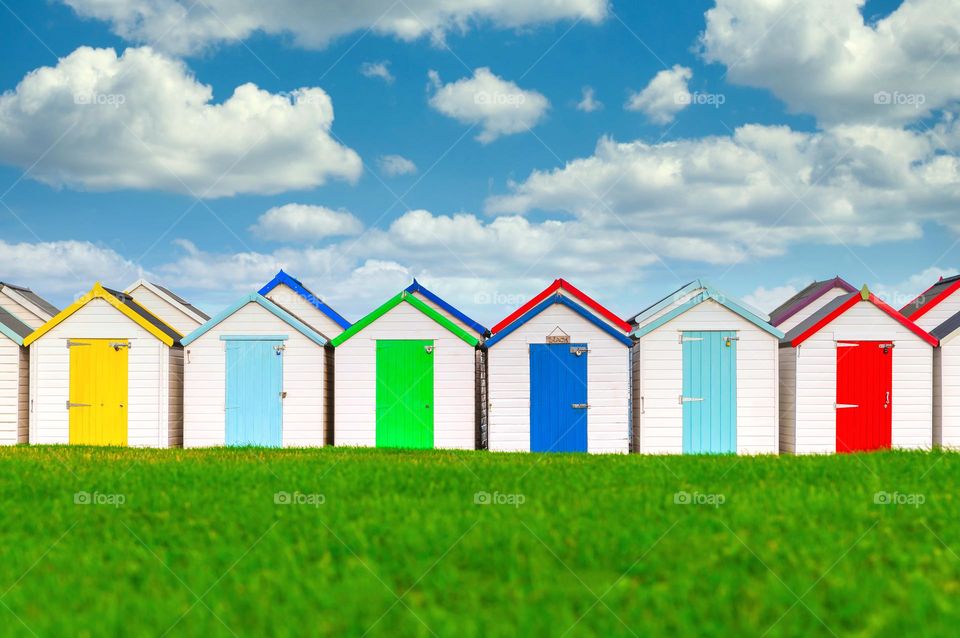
[709, 392]
[254, 392]
[558, 397]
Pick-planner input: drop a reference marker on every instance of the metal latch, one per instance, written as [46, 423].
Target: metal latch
[283, 395]
[684, 399]
[77, 405]
[279, 349]
[580, 406]
[117, 345]
[429, 349]
[579, 350]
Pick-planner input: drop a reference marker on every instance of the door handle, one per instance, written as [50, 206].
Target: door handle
[886, 401]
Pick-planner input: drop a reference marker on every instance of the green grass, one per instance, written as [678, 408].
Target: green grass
[598, 548]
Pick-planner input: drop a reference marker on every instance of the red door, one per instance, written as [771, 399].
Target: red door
[864, 392]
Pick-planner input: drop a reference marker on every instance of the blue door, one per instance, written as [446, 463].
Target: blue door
[254, 392]
[558, 397]
[709, 392]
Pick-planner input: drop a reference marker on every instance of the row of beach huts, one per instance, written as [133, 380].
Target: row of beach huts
[834, 369]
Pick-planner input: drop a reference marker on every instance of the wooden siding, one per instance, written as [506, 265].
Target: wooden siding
[460, 324]
[608, 369]
[175, 396]
[678, 300]
[164, 310]
[454, 380]
[9, 391]
[816, 381]
[788, 400]
[947, 394]
[814, 306]
[147, 401]
[296, 305]
[940, 313]
[658, 383]
[21, 312]
[205, 381]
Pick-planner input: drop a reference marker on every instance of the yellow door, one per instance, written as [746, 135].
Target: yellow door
[98, 391]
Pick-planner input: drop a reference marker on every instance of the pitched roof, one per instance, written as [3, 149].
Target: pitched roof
[32, 297]
[818, 320]
[687, 289]
[555, 287]
[558, 298]
[709, 294]
[929, 298]
[122, 302]
[259, 299]
[807, 296]
[13, 328]
[416, 286]
[947, 328]
[391, 303]
[171, 298]
[315, 301]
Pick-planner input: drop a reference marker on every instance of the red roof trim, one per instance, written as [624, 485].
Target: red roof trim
[559, 284]
[882, 305]
[930, 305]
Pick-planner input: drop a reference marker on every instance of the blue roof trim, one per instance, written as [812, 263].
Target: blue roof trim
[566, 301]
[720, 298]
[416, 286]
[257, 298]
[312, 299]
[696, 284]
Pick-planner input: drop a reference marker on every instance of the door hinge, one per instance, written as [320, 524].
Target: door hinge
[683, 339]
[841, 406]
[684, 399]
[73, 344]
[77, 405]
[580, 406]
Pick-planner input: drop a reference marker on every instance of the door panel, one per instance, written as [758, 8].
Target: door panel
[709, 392]
[405, 393]
[254, 400]
[558, 397]
[98, 391]
[864, 395]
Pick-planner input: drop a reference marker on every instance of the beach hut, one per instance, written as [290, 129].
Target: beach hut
[937, 310]
[105, 371]
[405, 376]
[14, 385]
[808, 301]
[254, 375]
[704, 375]
[558, 370]
[170, 308]
[854, 376]
[26, 305]
[293, 296]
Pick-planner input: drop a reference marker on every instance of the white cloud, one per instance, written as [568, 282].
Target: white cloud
[903, 292]
[821, 57]
[394, 165]
[59, 268]
[377, 70]
[664, 97]
[304, 223]
[500, 107]
[768, 299]
[182, 26]
[142, 121]
[588, 102]
[753, 194]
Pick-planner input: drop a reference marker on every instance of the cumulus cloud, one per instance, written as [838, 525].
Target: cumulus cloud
[394, 165]
[754, 193]
[142, 121]
[63, 268]
[769, 299]
[665, 95]
[304, 223]
[498, 106]
[182, 26]
[588, 102]
[900, 293]
[377, 70]
[822, 57]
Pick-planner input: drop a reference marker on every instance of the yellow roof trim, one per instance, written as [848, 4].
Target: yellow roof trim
[97, 292]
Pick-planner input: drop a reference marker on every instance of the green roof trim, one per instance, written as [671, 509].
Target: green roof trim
[392, 303]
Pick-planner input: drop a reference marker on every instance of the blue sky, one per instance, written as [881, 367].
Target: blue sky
[799, 173]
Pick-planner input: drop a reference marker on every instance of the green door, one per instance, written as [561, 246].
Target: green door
[405, 393]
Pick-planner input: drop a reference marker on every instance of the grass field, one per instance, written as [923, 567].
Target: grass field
[334, 541]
